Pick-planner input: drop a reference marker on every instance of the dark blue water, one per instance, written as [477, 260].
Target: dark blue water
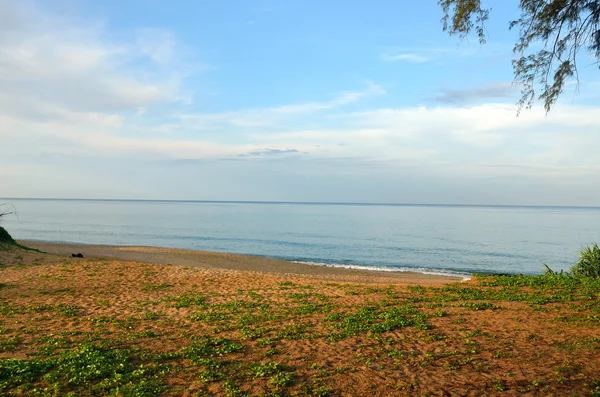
[451, 239]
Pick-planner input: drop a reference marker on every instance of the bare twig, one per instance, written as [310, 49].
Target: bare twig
[8, 209]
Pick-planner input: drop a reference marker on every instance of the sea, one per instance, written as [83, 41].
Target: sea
[436, 239]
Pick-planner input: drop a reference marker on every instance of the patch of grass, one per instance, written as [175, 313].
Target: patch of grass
[371, 318]
[10, 343]
[68, 310]
[156, 287]
[54, 341]
[594, 388]
[315, 388]
[126, 323]
[7, 309]
[210, 317]
[253, 332]
[210, 347]
[281, 379]
[437, 337]
[417, 289]
[232, 389]
[270, 352]
[293, 332]
[499, 385]
[254, 295]
[103, 302]
[480, 306]
[354, 323]
[308, 308]
[188, 300]
[237, 306]
[266, 369]
[151, 315]
[213, 371]
[142, 335]
[84, 370]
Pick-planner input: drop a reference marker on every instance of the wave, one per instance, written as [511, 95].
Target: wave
[433, 272]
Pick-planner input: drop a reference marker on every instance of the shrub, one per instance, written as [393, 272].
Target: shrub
[5, 237]
[589, 262]
[6, 209]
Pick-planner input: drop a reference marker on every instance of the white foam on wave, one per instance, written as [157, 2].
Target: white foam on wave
[433, 272]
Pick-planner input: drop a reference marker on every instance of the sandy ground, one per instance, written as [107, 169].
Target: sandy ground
[224, 261]
[143, 300]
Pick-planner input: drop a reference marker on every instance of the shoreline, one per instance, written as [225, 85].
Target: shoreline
[172, 330]
[237, 262]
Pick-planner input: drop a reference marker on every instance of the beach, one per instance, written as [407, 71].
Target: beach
[459, 240]
[299, 198]
[234, 262]
[156, 321]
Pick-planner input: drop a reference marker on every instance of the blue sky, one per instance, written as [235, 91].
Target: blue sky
[280, 100]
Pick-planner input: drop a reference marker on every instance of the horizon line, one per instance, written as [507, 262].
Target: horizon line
[301, 202]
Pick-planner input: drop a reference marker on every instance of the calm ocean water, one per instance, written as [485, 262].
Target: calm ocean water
[446, 239]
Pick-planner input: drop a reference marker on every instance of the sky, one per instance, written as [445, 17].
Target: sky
[281, 100]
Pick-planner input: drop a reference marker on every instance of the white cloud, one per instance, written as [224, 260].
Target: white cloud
[253, 118]
[431, 53]
[69, 91]
[409, 57]
[71, 66]
[158, 44]
[339, 101]
[476, 137]
[480, 140]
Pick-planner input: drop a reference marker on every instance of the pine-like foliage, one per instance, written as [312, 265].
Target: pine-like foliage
[568, 31]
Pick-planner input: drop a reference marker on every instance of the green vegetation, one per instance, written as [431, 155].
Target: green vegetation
[556, 30]
[589, 262]
[156, 287]
[189, 332]
[88, 369]
[5, 237]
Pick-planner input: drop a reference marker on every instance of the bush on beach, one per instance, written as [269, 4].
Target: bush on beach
[6, 209]
[5, 237]
[589, 262]
[587, 266]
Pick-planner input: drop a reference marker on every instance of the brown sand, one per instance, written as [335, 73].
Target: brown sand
[53, 302]
[224, 261]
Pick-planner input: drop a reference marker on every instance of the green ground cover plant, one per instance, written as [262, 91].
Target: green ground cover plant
[172, 336]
